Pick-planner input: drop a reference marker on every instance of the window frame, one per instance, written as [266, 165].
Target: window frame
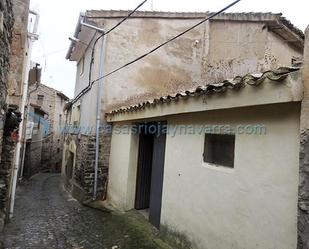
[213, 159]
[40, 99]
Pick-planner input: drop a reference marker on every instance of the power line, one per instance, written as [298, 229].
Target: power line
[51, 53]
[153, 50]
[95, 43]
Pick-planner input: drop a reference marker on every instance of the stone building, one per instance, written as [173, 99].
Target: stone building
[19, 52]
[15, 19]
[243, 177]
[6, 26]
[218, 161]
[35, 133]
[46, 121]
[229, 45]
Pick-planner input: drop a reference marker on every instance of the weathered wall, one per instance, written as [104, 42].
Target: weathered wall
[211, 52]
[173, 67]
[5, 176]
[58, 138]
[238, 48]
[251, 206]
[6, 25]
[51, 146]
[122, 169]
[82, 182]
[303, 199]
[32, 163]
[5, 40]
[84, 163]
[33, 153]
[89, 100]
[19, 50]
[261, 189]
[105, 146]
[181, 65]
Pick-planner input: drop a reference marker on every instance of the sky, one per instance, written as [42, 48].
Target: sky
[58, 19]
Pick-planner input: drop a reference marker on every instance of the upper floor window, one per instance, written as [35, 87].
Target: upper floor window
[219, 149]
[60, 119]
[40, 99]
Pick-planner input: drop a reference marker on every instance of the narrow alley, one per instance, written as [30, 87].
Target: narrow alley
[152, 124]
[47, 217]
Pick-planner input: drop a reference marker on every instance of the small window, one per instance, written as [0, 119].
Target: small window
[219, 149]
[81, 66]
[40, 99]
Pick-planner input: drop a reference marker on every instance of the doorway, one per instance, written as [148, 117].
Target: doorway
[150, 171]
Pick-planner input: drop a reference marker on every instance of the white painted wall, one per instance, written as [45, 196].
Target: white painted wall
[212, 52]
[88, 101]
[252, 206]
[122, 174]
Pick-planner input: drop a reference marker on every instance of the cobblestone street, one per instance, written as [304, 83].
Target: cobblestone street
[47, 217]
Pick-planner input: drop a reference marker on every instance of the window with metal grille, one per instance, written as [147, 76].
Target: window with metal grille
[219, 149]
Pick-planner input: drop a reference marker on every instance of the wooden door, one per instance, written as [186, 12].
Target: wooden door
[157, 180]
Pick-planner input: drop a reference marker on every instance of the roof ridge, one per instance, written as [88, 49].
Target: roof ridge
[55, 90]
[235, 16]
[182, 12]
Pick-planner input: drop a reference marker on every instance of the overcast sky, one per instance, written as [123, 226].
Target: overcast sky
[58, 19]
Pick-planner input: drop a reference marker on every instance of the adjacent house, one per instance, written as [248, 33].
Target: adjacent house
[225, 165]
[37, 128]
[6, 17]
[46, 121]
[205, 131]
[14, 46]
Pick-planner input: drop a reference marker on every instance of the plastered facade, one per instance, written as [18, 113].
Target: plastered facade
[251, 206]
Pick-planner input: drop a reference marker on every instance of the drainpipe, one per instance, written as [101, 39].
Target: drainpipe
[98, 119]
[32, 36]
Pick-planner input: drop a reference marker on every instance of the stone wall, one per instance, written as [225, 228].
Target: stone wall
[6, 25]
[32, 162]
[303, 192]
[83, 178]
[52, 138]
[6, 22]
[19, 51]
[303, 202]
[5, 176]
[105, 147]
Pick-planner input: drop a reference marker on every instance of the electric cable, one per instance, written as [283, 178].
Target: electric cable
[85, 90]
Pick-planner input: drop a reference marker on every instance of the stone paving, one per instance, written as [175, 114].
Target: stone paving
[47, 217]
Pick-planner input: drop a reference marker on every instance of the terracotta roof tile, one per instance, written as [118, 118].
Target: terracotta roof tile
[236, 83]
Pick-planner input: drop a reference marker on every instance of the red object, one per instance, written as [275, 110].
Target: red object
[15, 136]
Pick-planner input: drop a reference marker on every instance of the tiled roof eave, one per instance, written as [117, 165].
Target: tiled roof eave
[236, 83]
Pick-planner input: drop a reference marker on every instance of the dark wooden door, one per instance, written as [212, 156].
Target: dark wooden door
[157, 180]
[142, 195]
